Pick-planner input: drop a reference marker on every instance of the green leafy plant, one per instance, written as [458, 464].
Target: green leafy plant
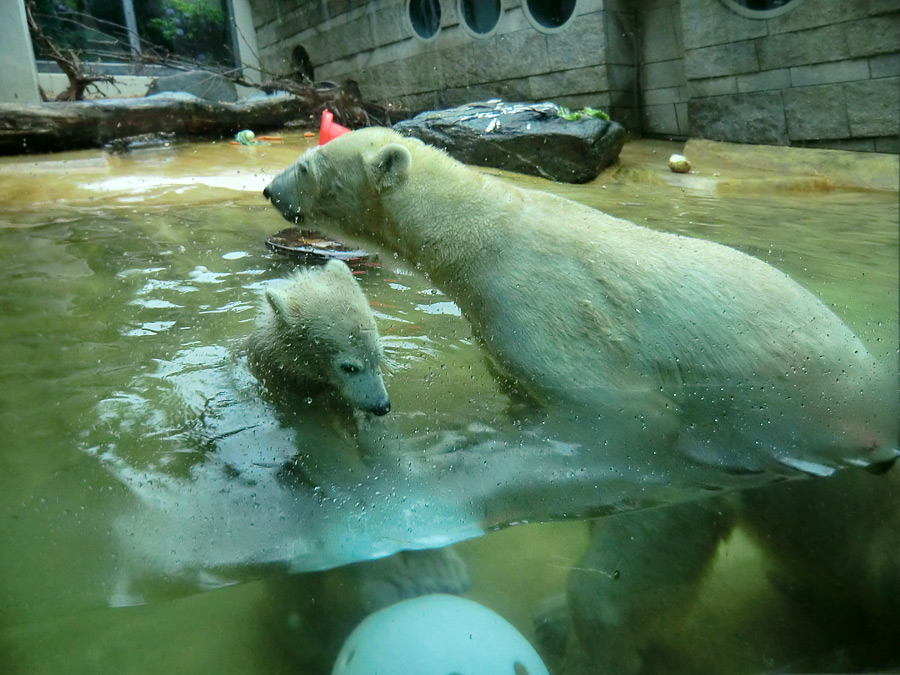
[190, 28]
[573, 115]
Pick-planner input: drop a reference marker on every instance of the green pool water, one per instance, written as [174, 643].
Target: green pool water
[127, 284]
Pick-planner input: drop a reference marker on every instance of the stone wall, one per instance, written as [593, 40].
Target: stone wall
[663, 86]
[826, 74]
[375, 44]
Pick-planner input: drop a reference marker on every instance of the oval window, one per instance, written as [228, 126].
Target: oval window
[425, 17]
[761, 9]
[479, 17]
[549, 14]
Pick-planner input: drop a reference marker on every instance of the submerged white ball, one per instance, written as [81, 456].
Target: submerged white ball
[679, 164]
[437, 635]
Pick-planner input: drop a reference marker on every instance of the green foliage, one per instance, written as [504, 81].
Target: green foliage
[194, 29]
[573, 115]
[187, 20]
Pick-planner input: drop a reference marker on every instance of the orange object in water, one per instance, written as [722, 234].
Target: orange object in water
[277, 139]
[308, 134]
[328, 129]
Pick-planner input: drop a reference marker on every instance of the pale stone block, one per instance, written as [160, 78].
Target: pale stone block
[388, 25]
[878, 35]
[621, 77]
[828, 73]
[873, 107]
[457, 66]
[733, 59]
[579, 81]
[520, 54]
[806, 47]
[709, 22]
[816, 112]
[660, 119]
[593, 99]
[620, 36]
[713, 87]
[764, 81]
[886, 65]
[659, 35]
[756, 117]
[580, 44]
[663, 74]
[669, 95]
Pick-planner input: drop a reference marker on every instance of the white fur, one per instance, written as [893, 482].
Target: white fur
[693, 347]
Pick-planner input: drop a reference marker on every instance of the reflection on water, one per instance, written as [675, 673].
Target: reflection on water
[118, 353]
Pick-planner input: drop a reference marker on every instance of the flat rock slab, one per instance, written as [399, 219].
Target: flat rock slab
[201, 83]
[528, 138]
[311, 247]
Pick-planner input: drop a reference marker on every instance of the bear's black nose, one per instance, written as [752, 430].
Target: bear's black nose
[266, 193]
[382, 408]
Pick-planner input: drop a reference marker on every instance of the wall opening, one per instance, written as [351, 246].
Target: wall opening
[549, 14]
[761, 9]
[479, 17]
[425, 17]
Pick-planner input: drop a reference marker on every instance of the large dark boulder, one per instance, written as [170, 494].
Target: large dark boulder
[201, 83]
[524, 137]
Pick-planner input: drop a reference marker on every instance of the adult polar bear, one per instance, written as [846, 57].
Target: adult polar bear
[680, 348]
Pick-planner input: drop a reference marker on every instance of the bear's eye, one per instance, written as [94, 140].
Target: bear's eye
[350, 368]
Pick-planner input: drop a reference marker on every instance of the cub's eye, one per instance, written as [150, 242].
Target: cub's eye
[350, 368]
[302, 170]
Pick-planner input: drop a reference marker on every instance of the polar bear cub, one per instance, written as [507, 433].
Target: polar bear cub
[318, 332]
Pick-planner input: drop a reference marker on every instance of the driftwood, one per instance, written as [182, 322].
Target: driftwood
[52, 127]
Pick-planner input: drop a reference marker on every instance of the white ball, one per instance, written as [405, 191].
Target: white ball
[437, 635]
[679, 164]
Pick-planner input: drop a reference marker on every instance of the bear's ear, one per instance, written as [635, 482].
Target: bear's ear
[278, 303]
[390, 165]
[338, 268]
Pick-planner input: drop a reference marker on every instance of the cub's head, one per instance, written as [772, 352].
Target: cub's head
[326, 332]
[341, 180]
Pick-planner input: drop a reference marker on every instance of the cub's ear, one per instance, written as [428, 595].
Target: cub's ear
[390, 165]
[278, 303]
[338, 268]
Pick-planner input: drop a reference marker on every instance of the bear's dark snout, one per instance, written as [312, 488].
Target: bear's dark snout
[267, 193]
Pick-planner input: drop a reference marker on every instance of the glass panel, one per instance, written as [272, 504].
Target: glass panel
[192, 30]
[644, 422]
[94, 28]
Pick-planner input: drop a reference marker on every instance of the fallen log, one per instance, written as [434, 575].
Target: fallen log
[53, 127]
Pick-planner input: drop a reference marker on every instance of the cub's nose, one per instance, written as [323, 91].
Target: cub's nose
[266, 193]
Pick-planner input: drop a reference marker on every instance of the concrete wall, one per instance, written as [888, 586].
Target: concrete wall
[822, 75]
[18, 76]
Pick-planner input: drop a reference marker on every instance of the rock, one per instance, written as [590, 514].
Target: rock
[311, 247]
[527, 138]
[679, 164]
[201, 83]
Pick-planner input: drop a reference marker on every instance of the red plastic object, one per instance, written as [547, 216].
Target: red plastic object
[328, 129]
